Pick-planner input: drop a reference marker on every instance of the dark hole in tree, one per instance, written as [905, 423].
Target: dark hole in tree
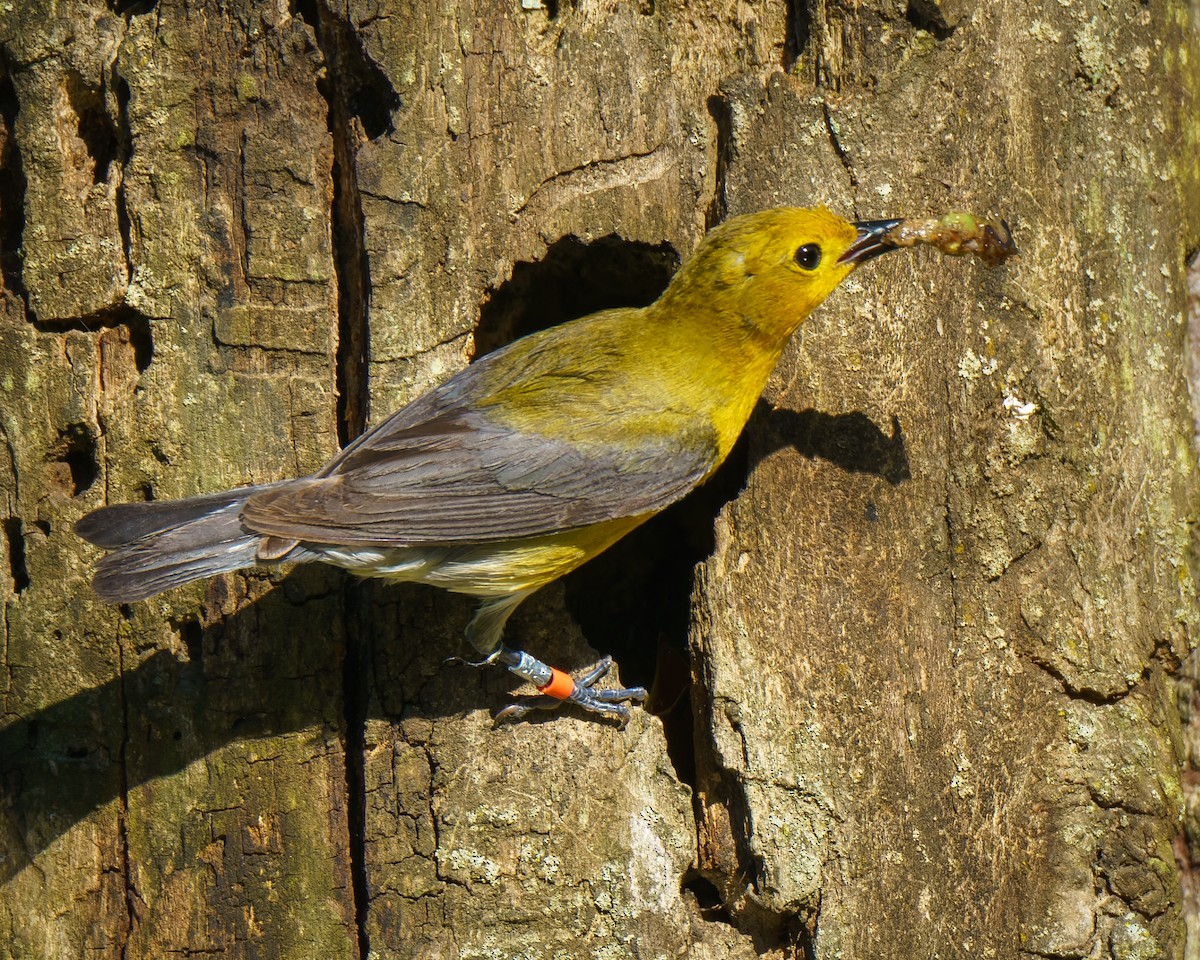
[708, 898]
[574, 279]
[95, 127]
[192, 635]
[132, 8]
[798, 26]
[17, 569]
[928, 16]
[363, 87]
[142, 341]
[74, 465]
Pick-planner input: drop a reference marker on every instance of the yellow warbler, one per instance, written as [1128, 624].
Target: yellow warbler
[531, 460]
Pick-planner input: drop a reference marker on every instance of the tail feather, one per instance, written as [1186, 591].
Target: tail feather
[165, 544]
[125, 523]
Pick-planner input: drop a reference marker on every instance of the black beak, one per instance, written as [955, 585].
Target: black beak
[870, 242]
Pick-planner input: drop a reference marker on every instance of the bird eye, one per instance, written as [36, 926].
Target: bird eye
[808, 256]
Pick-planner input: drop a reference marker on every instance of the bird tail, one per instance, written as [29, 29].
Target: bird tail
[159, 545]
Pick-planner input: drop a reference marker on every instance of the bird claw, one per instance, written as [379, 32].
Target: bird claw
[456, 661]
[609, 703]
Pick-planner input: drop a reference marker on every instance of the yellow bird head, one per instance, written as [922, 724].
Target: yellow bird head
[768, 271]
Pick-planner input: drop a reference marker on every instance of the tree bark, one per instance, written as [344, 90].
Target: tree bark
[935, 608]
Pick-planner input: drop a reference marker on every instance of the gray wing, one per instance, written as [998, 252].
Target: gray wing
[448, 475]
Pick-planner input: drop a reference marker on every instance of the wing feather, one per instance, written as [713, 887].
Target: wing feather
[459, 479]
[445, 469]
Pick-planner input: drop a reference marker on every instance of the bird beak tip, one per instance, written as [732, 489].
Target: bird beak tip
[871, 241]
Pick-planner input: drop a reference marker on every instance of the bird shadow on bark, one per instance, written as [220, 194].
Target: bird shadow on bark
[850, 441]
[275, 665]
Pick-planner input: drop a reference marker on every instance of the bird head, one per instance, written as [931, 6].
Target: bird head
[767, 271]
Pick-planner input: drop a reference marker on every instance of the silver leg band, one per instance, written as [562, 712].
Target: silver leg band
[531, 669]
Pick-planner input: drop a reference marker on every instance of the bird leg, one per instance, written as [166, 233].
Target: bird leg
[557, 688]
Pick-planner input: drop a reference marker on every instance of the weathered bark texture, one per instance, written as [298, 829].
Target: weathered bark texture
[936, 635]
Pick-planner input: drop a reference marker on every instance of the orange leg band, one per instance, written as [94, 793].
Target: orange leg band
[561, 685]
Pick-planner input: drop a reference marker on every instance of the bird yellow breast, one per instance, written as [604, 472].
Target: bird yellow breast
[488, 570]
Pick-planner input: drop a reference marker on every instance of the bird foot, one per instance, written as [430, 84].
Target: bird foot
[562, 688]
[557, 687]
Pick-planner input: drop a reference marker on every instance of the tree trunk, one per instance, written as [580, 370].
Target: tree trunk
[935, 606]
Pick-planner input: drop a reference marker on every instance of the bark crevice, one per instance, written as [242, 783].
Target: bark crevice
[355, 704]
[836, 142]
[125, 931]
[721, 111]
[360, 103]
[12, 187]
